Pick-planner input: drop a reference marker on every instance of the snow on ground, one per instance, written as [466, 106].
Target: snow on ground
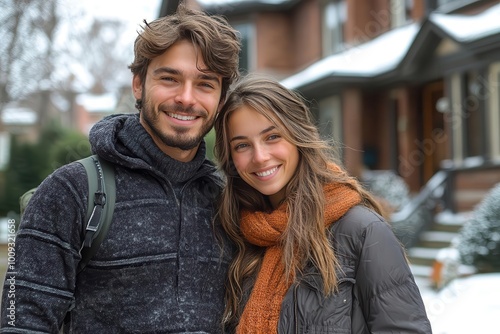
[466, 305]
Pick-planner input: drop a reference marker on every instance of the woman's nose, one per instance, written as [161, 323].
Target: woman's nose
[260, 154]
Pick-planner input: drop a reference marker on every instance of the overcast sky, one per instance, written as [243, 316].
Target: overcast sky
[128, 10]
[133, 12]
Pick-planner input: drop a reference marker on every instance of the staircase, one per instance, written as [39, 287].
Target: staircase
[440, 235]
[466, 188]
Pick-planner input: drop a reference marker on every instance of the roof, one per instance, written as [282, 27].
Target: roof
[244, 6]
[98, 103]
[389, 51]
[466, 28]
[18, 116]
[365, 60]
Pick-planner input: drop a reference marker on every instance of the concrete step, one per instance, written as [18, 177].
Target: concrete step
[447, 221]
[452, 218]
[422, 256]
[443, 232]
[422, 252]
[437, 239]
[420, 270]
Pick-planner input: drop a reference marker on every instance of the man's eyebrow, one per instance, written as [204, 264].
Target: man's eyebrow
[166, 69]
[173, 71]
[210, 77]
[272, 127]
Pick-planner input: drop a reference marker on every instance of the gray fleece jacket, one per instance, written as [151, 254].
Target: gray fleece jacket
[159, 269]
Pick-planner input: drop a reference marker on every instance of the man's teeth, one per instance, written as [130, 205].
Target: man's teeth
[182, 117]
[267, 172]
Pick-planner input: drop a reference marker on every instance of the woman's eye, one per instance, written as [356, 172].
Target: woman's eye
[273, 137]
[240, 147]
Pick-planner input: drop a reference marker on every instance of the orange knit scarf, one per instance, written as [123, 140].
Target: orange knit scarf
[262, 310]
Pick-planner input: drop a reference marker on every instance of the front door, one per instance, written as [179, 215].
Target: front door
[435, 140]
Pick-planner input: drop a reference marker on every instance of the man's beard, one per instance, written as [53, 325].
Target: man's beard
[179, 139]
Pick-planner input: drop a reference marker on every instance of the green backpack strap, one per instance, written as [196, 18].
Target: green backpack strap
[24, 200]
[100, 206]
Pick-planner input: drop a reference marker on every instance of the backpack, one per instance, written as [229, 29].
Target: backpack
[102, 194]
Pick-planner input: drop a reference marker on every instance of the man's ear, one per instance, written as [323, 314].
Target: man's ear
[137, 87]
[221, 104]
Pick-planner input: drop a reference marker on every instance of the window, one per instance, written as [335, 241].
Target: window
[247, 55]
[493, 110]
[473, 105]
[334, 18]
[330, 118]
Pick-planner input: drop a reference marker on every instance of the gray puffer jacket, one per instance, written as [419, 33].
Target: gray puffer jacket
[376, 293]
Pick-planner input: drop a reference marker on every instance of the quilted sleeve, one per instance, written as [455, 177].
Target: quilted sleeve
[389, 297]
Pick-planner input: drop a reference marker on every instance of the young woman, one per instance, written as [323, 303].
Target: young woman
[313, 253]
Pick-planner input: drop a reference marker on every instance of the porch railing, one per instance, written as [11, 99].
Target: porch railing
[439, 191]
[418, 214]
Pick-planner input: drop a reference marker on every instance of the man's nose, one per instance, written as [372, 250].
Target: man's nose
[185, 95]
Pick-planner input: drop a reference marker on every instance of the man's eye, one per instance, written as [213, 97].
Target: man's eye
[207, 84]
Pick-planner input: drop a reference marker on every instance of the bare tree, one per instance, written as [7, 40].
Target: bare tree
[102, 56]
[22, 47]
[49, 46]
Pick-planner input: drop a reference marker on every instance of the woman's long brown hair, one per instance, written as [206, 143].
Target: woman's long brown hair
[305, 239]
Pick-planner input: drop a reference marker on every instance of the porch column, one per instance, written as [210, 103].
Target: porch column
[410, 156]
[352, 112]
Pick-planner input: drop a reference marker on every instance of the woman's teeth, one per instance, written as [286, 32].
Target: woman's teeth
[267, 172]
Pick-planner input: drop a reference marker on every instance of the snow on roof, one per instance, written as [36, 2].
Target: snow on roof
[97, 103]
[385, 52]
[375, 57]
[18, 116]
[465, 28]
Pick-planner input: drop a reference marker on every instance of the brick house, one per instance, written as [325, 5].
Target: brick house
[407, 86]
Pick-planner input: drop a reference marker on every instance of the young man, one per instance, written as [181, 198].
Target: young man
[160, 268]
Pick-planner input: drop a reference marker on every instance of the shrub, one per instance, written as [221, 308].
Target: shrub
[30, 163]
[393, 193]
[479, 238]
[388, 187]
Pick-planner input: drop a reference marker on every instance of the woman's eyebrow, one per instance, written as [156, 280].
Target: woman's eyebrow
[272, 127]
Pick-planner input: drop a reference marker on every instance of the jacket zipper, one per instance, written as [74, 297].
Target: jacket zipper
[295, 306]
